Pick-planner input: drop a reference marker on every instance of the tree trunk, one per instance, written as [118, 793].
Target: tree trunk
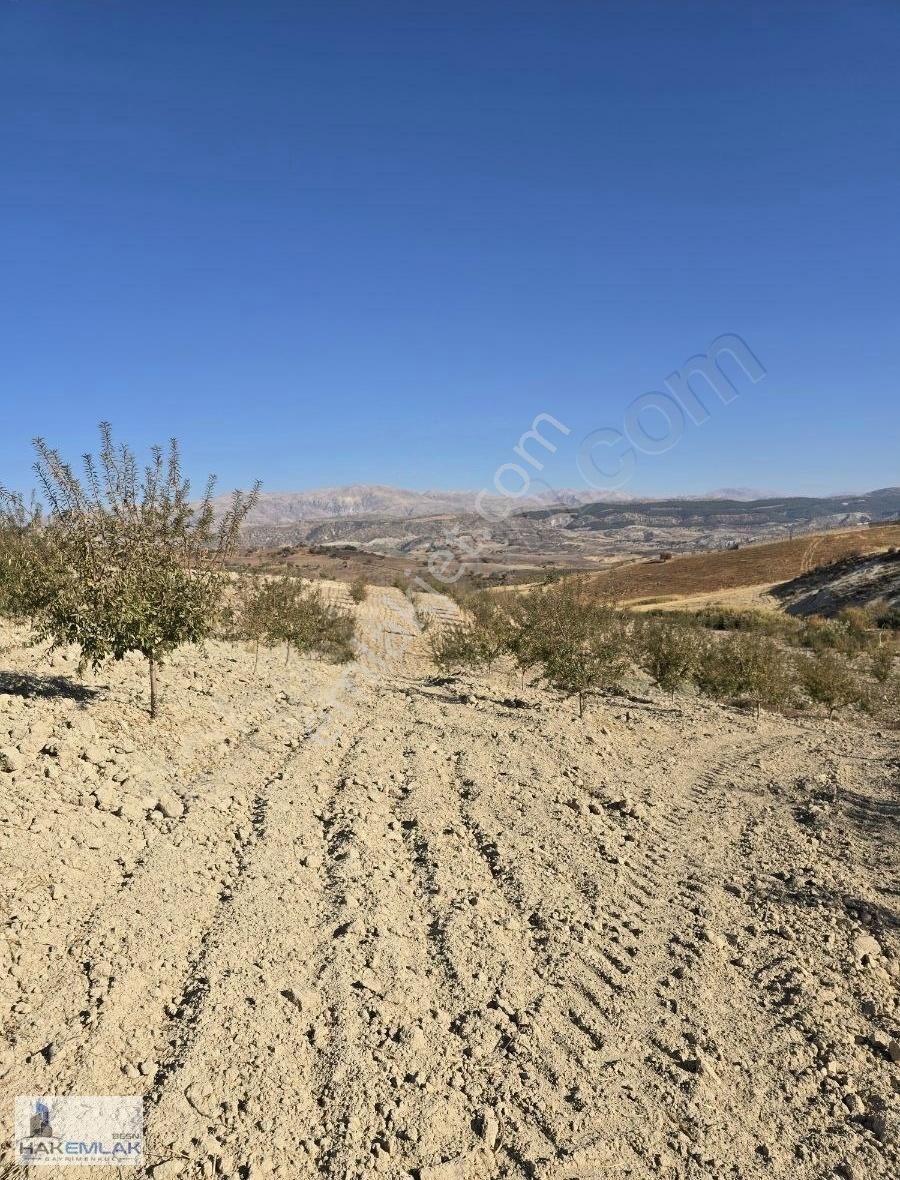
[581, 704]
[256, 657]
[153, 697]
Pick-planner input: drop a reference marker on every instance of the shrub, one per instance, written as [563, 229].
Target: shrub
[359, 589]
[889, 619]
[125, 562]
[882, 663]
[851, 632]
[725, 618]
[669, 650]
[858, 624]
[526, 634]
[828, 679]
[459, 645]
[479, 638]
[745, 666]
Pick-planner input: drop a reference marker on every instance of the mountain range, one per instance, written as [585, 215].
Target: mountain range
[363, 500]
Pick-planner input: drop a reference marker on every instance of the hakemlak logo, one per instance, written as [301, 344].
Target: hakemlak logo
[84, 1130]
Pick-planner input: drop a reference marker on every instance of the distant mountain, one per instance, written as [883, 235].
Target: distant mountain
[362, 500]
[737, 514]
[395, 520]
[732, 494]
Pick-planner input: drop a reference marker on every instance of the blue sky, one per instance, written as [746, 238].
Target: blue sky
[370, 242]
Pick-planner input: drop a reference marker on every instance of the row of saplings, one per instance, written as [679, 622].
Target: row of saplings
[564, 637]
[120, 559]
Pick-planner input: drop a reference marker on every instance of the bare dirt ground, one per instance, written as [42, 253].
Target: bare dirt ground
[346, 922]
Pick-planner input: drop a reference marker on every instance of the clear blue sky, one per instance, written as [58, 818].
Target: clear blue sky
[341, 242]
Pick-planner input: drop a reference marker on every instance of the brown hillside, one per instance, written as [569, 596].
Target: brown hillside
[727, 569]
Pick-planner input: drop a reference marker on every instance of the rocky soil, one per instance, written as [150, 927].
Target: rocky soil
[353, 922]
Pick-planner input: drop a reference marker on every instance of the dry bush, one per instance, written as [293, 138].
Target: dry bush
[763, 622]
[882, 662]
[359, 589]
[124, 561]
[888, 618]
[850, 633]
[885, 701]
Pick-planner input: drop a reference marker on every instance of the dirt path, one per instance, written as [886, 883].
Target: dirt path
[422, 932]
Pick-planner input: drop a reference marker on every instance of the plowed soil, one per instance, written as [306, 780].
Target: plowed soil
[355, 922]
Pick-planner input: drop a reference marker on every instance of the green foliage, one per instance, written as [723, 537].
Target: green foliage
[745, 666]
[850, 633]
[22, 551]
[285, 611]
[889, 619]
[724, 618]
[456, 646]
[828, 679]
[125, 561]
[583, 644]
[526, 635]
[669, 650]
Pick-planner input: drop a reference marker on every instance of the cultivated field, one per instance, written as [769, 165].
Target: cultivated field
[355, 921]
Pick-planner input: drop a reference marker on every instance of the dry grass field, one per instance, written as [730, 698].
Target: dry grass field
[752, 565]
[353, 922]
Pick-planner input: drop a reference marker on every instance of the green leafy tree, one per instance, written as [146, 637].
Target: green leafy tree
[526, 635]
[125, 561]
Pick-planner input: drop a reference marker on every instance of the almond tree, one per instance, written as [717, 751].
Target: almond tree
[124, 560]
[583, 642]
[20, 534]
[669, 650]
[829, 680]
[284, 610]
